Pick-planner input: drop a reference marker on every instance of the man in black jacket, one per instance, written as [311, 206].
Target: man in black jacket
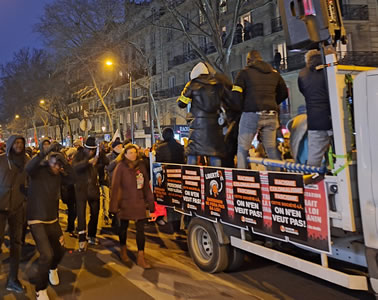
[170, 150]
[46, 177]
[313, 86]
[87, 188]
[12, 202]
[259, 90]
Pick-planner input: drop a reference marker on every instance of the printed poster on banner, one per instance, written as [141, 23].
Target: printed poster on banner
[191, 189]
[287, 205]
[248, 206]
[159, 182]
[174, 184]
[215, 193]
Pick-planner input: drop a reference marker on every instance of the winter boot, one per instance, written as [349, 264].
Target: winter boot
[141, 261]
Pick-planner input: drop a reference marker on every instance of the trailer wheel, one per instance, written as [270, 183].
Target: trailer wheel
[204, 247]
[236, 259]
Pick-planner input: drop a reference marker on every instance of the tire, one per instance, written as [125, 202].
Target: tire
[236, 259]
[204, 247]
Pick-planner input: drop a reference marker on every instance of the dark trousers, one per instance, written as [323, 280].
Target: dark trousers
[50, 244]
[81, 206]
[16, 225]
[71, 204]
[140, 237]
[94, 208]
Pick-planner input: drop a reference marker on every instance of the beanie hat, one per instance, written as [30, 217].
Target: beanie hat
[116, 143]
[90, 143]
[199, 69]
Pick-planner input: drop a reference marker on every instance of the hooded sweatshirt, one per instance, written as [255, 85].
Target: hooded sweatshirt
[312, 85]
[12, 177]
[259, 87]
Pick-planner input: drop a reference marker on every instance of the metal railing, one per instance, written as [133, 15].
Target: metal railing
[257, 30]
[355, 12]
[290, 63]
[276, 24]
[358, 58]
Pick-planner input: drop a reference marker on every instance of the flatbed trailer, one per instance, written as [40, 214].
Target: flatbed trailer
[233, 211]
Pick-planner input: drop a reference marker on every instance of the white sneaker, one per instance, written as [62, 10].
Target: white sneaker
[42, 295]
[54, 277]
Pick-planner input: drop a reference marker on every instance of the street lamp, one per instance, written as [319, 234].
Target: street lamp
[42, 102]
[103, 128]
[109, 63]
[17, 117]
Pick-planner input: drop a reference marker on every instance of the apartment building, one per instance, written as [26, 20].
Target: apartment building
[170, 58]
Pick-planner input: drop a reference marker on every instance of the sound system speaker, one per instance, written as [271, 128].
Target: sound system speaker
[307, 23]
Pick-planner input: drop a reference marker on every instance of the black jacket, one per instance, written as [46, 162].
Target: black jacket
[312, 85]
[44, 189]
[170, 152]
[259, 87]
[86, 185]
[12, 178]
[206, 94]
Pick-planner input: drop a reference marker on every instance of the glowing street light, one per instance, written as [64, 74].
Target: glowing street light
[42, 102]
[17, 117]
[109, 63]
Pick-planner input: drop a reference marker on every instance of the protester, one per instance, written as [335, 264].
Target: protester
[12, 203]
[259, 90]
[46, 177]
[238, 38]
[103, 179]
[170, 150]
[130, 175]
[247, 30]
[87, 189]
[117, 149]
[277, 60]
[313, 85]
[206, 94]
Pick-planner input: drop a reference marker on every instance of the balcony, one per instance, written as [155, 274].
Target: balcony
[257, 30]
[181, 59]
[354, 12]
[276, 25]
[358, 58]
[291, 63]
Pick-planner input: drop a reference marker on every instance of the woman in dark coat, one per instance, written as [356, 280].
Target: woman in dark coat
[131, 196]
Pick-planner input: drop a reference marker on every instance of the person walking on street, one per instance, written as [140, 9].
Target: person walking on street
[12, 203]
[313, 85]
[259, 90]
[87, 189]
[130, 175]
[46, 176]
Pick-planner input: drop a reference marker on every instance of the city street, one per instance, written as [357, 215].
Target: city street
[98, 274]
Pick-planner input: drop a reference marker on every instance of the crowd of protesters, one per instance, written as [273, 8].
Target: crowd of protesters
[113, 178]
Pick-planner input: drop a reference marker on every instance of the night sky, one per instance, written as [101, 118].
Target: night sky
[17, 18]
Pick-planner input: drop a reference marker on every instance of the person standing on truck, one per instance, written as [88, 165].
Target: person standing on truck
[313, 85]
[12, 204]
[206, 94]
[258, 90]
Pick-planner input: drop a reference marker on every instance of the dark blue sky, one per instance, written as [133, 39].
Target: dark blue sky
[17, 18]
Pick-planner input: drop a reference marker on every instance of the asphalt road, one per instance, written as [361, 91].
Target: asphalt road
[98, 274]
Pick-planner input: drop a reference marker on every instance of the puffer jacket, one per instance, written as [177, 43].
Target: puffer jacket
[12, 179]
[259, 87]
[206, 94]
[312, 85]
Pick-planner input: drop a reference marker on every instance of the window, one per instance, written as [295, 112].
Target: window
[203, 42]
[187, 21]
[135, 117]
[283, 51]
[128, 118]
[146, 115]
[202, 18]
[172, 82]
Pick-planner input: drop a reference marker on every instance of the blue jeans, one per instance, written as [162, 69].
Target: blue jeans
[318, 143]
[214, 161]
[250, 124]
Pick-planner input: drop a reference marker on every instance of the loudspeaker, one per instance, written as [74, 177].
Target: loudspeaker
[306, 23]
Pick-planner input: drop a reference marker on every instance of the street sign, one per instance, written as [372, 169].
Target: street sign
[85, 125]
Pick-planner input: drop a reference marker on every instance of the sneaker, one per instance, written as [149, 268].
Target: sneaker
[54, 277]
[92, 241]
[14, 285]
[83, 246]
[42, 295]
